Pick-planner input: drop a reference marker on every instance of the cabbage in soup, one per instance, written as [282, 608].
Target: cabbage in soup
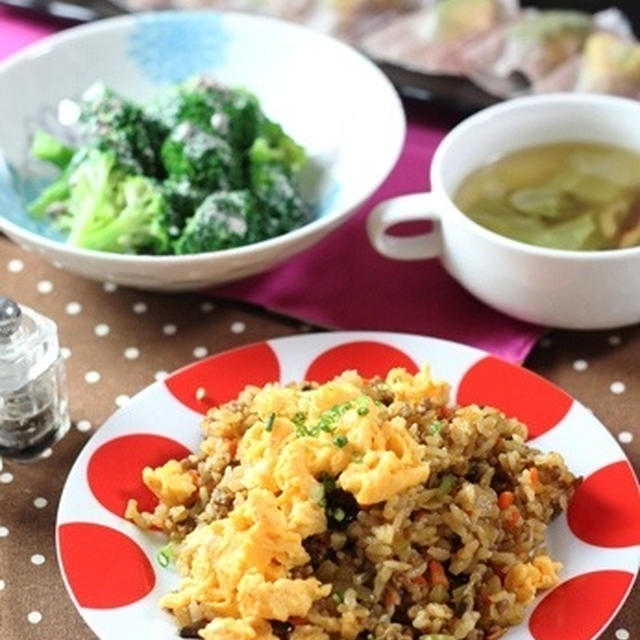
[571, 195]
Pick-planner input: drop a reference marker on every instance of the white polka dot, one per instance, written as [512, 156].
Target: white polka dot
[4, 532]
[6, 477]
[73, 308]
[109, 287]
[622, 634]
[15, 266]
[207, 307]
[614, 340]
[625, 437]
[169, 329]
[65, 352]
[34, 617]
[580, 365]
[3, 584]
[617, 387]
[131, 353]
[46, 453]
[44, 286]
[122, 399]
[37, 559]
[92, 377]
[101, 330]
[140, 307]
[200, 352]
[160, 375]
[55, 263]
[40, 503]
[83, 426]
[238, 327]
[546, 342]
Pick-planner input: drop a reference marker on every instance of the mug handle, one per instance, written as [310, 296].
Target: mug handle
[408, 208]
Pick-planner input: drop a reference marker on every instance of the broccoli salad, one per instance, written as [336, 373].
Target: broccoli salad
[199, 168]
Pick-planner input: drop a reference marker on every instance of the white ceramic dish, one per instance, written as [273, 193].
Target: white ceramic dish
[330, 98]
[552, 287]
[110, 566]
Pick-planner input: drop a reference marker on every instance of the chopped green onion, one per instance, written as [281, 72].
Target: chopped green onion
[339, 515]
[337, 596]
[447, 483]
[357, 457]
[164, 557]
[340, 441]
[436, 427]
[269, 424]
[363, 411]
[325, 425]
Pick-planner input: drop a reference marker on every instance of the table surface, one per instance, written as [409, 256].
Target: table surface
[128, 336]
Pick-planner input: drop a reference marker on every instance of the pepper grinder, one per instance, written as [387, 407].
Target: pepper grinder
[34, 411]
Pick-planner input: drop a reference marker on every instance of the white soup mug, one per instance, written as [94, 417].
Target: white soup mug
[553, 287]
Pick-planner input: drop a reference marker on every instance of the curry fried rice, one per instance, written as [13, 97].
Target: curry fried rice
[365, 509]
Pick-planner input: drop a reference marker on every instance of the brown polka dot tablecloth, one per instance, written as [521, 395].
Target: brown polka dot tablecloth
[117, 341]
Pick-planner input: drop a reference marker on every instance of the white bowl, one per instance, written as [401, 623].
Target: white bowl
[330, 98]
[552, 287]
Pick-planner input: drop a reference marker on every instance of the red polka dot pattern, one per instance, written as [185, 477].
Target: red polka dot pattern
[515, 391]
[104, 568]
[368, 358]
[221, 378]
[605, 510]
[115, 469]
[580, 607]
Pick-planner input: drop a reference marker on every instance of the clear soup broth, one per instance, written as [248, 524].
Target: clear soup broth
[571, 195]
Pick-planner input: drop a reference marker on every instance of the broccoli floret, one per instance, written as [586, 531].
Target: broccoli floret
[274, 163]
[45, 147]
[240, 113]
[276, 189]
[273, 145]
[111, 211]
[204, 160]
[57, 192]
[224, 220]
[182, 201]
[111, 123]
[51, 201]
[233, 114]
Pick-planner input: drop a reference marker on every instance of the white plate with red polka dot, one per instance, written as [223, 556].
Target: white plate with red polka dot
[110, 566]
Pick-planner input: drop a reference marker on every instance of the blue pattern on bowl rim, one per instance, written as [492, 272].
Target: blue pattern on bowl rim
[171, 46]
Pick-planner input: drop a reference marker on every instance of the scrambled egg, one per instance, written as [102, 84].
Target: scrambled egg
[237, 569]
[525, 579]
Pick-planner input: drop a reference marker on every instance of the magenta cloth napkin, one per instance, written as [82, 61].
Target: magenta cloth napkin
[17, 32]
[342, 282]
